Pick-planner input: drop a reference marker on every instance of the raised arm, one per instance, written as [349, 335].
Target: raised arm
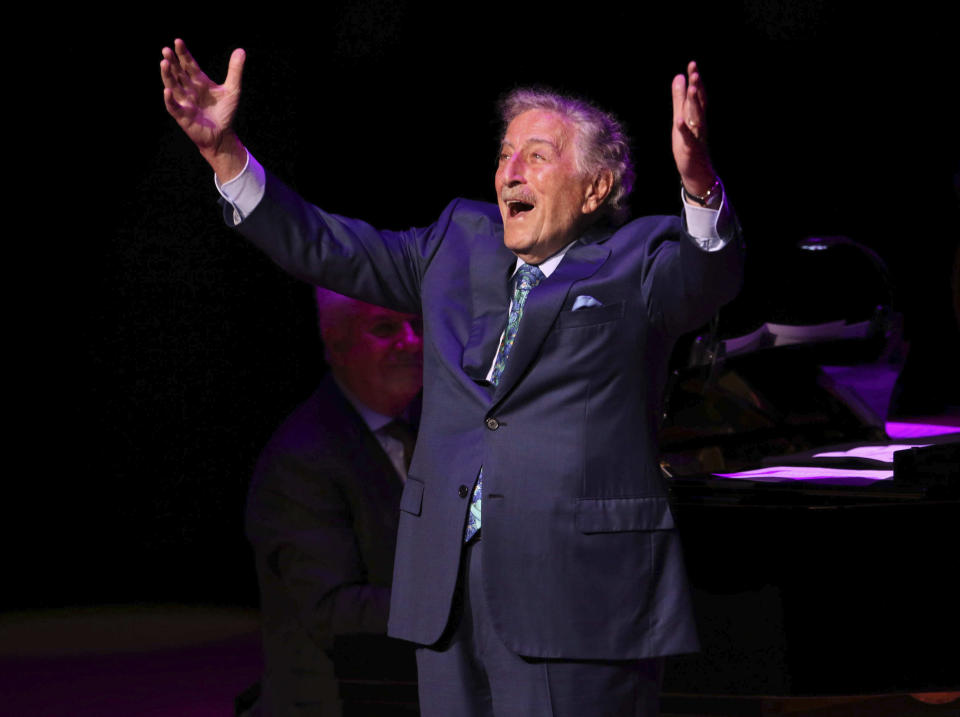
[689, 134]
[204, 109]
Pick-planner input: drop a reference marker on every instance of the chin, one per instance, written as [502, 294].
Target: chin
[517, 244]
[406, 383]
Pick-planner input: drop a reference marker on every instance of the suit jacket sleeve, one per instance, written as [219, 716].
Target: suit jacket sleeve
[684, 285]
[345, 255]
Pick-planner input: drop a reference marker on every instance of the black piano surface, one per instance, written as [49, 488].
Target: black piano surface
[806, 587]
[803, 590]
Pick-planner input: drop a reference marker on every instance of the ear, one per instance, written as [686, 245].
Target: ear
[336, 347]
[597, 191]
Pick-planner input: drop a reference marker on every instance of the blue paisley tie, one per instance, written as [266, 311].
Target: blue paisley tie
[526, 279]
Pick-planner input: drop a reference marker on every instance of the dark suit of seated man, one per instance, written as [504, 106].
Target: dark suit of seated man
[324, 504]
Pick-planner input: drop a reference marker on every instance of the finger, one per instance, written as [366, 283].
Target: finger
[679, 90]
[693, 112]
[169, 75]
[169, 55]
[177, 105]
[697, 81]
[186, 59]
[172, 82]
[179, 80]
[175, 109]
[171, 104]
[693, 104]
[184, 113]
[235, 70]
[174, 70]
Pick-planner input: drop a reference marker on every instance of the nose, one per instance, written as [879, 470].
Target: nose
[514, 170]
[410, 337]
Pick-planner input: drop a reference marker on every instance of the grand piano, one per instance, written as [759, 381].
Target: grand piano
[823, 552]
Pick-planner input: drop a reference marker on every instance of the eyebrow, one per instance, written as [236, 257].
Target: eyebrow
[534, 140]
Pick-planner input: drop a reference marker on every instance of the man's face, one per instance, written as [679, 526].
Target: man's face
[543, 198]
[378, 355]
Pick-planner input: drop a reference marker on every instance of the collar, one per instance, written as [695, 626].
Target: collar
[547, 266]
[375, 421]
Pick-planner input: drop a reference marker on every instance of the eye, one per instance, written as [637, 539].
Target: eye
[384, 329]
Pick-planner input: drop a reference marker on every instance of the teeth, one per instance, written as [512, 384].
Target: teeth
[518, 206]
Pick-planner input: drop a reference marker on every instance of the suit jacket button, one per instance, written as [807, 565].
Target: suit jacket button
[463, 491]
[493, 424]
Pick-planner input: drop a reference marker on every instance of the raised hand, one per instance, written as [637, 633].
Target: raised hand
[690, 132]
[204, 109]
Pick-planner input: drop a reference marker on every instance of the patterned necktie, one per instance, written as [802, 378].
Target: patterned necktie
[526, 279]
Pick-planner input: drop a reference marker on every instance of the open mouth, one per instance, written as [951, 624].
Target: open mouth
[516, 207]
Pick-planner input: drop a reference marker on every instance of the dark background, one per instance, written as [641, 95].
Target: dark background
[168, 349]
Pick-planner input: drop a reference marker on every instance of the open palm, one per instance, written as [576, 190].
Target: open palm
[202, 108]
[689, 137]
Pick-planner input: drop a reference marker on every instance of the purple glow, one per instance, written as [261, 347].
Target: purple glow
[897, 429]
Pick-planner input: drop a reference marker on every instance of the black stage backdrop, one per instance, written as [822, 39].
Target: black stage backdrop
[171, 349]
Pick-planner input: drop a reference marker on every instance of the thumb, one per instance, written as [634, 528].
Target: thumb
[235, 70]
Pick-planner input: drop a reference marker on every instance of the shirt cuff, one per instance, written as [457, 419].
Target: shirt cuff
[244, 191]
[710, 228]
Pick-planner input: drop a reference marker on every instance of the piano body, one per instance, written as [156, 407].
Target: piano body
[832, 580]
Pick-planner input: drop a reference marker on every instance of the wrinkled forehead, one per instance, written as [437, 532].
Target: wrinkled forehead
[540, 126]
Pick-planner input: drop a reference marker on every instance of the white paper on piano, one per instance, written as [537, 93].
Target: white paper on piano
[785, 473]
[875, 453]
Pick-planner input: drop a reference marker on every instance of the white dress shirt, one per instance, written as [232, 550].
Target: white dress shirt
[377, 422]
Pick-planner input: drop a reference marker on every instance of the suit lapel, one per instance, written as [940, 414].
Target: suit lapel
[372, 463]
[543, 305]
[490, 294]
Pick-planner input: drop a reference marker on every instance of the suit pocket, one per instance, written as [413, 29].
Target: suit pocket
[614, 515]
[590, 316]
[412, 497]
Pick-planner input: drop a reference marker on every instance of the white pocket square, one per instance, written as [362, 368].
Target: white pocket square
[585, 302]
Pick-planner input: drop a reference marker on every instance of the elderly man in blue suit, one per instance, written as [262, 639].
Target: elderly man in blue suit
[537, 563]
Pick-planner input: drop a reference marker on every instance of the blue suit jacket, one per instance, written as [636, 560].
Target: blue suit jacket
[581, 557]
